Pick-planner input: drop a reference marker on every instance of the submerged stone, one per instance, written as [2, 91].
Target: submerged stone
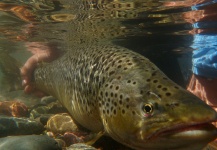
[13, 108]
[19, 126]
[80, 146]
[51, 108]
[61, 123]
[29, 142]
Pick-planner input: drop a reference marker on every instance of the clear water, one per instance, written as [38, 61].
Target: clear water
[167, 32]
[164, 31]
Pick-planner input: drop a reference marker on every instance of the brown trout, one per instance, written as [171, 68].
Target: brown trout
[117, 91]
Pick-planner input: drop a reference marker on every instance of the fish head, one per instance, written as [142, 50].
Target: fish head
[146, 110]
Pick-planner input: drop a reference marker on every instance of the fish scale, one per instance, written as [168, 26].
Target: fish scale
[112, 89]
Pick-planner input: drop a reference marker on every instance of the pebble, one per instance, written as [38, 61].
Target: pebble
[29, 142]
[43, 118]
[19, 126]
[51, 108]
[80, 146]
[48, 99]
[61, 123]
[13, 108]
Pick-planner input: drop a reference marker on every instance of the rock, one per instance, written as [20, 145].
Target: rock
[61, 142]
[38, 110]
[81, 137]
[51, 108]
[48, 99]
[19, 126]
[13, 108]
[71, 138]
[80, 146]
[43, 118]
[29, 142]
[56, 107]
[61, 123]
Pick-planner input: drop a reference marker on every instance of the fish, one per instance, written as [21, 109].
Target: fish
[111, 89]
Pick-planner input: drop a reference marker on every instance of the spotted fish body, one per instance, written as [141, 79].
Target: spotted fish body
[112, 89]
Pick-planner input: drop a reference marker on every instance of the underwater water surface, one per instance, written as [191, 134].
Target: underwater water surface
[175, 35]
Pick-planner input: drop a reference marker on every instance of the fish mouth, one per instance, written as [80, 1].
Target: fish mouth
[192, 130]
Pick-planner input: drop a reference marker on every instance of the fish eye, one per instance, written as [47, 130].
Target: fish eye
[147, 108]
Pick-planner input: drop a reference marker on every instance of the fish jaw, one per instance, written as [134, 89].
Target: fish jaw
[177, 135]
[194, 137]
[179, 120]
[184, 128]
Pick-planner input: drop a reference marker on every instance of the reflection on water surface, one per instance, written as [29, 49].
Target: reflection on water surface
[167, 32]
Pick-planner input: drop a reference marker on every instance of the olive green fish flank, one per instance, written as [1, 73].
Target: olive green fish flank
[114, 90]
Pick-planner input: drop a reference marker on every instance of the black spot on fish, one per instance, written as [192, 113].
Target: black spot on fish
[119, 77]
[120, 102]
[133, 112]
[112, 108]
[114, 111]
[112, 94]
[103, 111]
[116, 95]
[155, 81]
[107, 68]
[153, 74]
[119, 61]
[164, 89]
[159, 86]
[172, 105]
[111, 73]
[123, 111]
[107, 111]
[168, 94]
